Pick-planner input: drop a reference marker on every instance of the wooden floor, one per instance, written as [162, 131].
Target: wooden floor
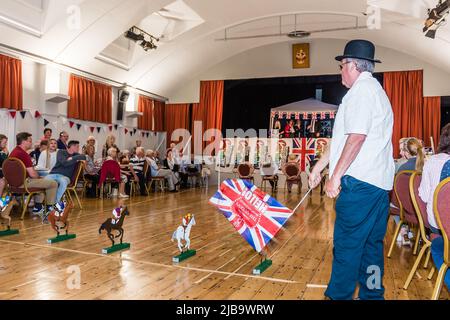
[302, 254]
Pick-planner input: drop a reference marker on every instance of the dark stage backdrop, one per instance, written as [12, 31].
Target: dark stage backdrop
[445, 111]
[247, 103]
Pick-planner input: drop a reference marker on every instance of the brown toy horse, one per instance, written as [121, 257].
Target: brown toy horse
[5, 214]
[58, 220]
[110, 227]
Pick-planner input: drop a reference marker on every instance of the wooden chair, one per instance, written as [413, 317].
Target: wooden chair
[15, 174]
[264, 180]
[158, 180]
[245, 172]
[72, 187]
[406, 208]
[292, 173]
[420, 208]
[442, 213]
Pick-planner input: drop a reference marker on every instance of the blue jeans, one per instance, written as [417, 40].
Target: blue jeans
[62, 181]
[361, 220]
[437, 252]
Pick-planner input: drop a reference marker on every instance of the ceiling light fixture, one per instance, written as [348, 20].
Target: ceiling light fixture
[146, 39]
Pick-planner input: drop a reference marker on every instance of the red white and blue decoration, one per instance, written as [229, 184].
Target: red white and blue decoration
[254, 214]
[306, 149]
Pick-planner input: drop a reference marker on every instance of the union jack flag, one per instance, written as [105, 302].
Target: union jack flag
[254, 214]
[306, 148]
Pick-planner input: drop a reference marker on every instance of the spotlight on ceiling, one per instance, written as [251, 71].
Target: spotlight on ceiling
[146, 39]
[436, 18]
[298, 34]
[148, 45]
[134, 35]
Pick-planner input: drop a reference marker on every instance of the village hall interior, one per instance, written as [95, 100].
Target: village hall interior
[224, 150]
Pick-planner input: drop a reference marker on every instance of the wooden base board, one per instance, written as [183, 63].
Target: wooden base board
[115, 248]
[60, 238]
[263, 266]
[185, 255]
[10, 232]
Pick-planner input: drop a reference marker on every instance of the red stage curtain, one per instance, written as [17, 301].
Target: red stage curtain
[198, 114]
[89, 100]
[177, 117]
[145, 105]
[211, 104]
[405, 91]
[431, 120]
[158, 116]
[11, 92]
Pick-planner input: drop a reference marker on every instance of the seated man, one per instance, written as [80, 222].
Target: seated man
[24, 144]
[138, 163]
[64, 168]
[156, 171]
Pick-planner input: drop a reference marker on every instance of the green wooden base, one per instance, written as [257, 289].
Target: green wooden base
[60, 238]
[185, 255]
[115, 248]
[8, 232]
[263, 266]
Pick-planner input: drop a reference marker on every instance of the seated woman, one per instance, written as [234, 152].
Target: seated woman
[4, 153]
[157, 171]
[112, 154]
[171, 163]
[47, 159]
[431, 175]
[91, 171]
[412, 150]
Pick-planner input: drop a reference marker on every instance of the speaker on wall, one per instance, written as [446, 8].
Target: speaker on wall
[123, 98]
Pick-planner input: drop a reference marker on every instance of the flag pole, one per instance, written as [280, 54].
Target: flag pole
[303, 199]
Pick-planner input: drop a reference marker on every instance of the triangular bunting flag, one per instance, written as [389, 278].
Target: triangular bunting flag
[148, 134]
[71, 124]
[98, 129]
[23, 114]
[115, 127]
[46, 122]
[37, 114]
[12, 114]
[78, 126]
[126, 131]
[134, 130]
[110, 128]
[92, 129]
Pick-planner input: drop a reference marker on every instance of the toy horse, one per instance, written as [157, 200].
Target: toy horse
[183, 232]
[111, 224]
[6, 205]
[58, 217]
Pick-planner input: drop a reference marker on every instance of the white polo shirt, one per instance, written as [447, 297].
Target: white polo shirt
[366, 109]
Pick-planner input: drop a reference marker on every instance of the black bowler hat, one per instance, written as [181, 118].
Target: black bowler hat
[359, 49]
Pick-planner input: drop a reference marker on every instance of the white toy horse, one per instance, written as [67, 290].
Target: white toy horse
[183, 232]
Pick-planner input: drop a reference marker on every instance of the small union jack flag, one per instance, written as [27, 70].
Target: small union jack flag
[306, 148]
[254, 214]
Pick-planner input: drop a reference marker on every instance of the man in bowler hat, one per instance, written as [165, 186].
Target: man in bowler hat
[361, 175]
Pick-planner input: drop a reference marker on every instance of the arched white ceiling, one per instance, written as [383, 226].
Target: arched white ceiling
[196, 50]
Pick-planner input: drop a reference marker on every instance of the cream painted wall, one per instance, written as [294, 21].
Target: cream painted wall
[33, 76]
[276, 61]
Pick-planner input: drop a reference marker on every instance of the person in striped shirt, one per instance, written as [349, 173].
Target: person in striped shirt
[138, 162]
